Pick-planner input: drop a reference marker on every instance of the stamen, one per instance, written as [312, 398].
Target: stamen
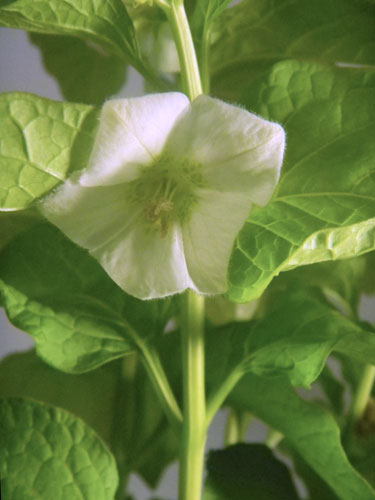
[166, 189]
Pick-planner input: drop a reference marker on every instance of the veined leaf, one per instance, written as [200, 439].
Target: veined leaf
[40, 142]
[48, 453]
[254, 34]
[90, 396]
[116, 400]
[324, 207]
[294, 338]
[61, 296]
[84, 72]
[310, 430]
[106, 23]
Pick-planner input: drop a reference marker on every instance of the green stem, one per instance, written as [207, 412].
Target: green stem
[218, 397]
[361, 396]
[273, 438]
[204, 60]
[155, 371]
[192, 313]
[236, 427]
[124, 418]
[194, 428]
[185, 47]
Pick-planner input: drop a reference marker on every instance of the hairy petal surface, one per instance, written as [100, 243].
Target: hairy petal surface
[132, 133]
[208, 238]
[239, 151]
[144, 263]
[90, 216]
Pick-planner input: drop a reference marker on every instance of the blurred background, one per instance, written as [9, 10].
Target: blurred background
[21, 69]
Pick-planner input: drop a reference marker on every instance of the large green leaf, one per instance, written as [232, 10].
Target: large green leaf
[294, 338]
[299, 332]
[310, 430]
[61, 296]
[324, 207]
[106, 23]
[116, 400]
[244, 471]
[40, 141]
[85, 73]
[254, 34]
[48, 453]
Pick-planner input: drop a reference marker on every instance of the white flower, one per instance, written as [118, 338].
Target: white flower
[168, 187]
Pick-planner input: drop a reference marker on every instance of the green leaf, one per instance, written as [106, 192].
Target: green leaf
[106, 23]
[294, 338]
[316, 487]
[342, 280]
[299, 332]
[90, 396]
[255, 34]
[62, 297]
[325, 202]
[116, 400]
[12, 223]
[40, 142]
[333, 388]
[244, 471]
[48, 453]
[310, 430]
[360, 445]
[84, 72]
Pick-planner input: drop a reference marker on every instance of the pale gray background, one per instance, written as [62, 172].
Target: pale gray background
[21, 69]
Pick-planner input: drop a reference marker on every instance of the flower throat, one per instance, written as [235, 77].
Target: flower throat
[166, 191]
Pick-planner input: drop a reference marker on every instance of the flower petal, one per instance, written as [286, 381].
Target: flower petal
[137, 258]
[90, 216]
[209, 237]
[239, 151]
[144, 263]
[131, 133]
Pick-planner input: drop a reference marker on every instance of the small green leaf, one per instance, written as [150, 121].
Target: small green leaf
[40, 142]
[85, 73]
[325, 203]
[310, 430]
[48, 453]
[254, 34]
[244, 471]
[106, 23]
[77, 315]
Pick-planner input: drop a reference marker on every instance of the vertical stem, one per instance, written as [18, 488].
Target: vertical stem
[185, 48]
[192, 314]
[194, 422]
[361, 396]
[232, 428]
[204, 60]
[236, 426]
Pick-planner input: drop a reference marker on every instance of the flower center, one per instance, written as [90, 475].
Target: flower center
[166, 191]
